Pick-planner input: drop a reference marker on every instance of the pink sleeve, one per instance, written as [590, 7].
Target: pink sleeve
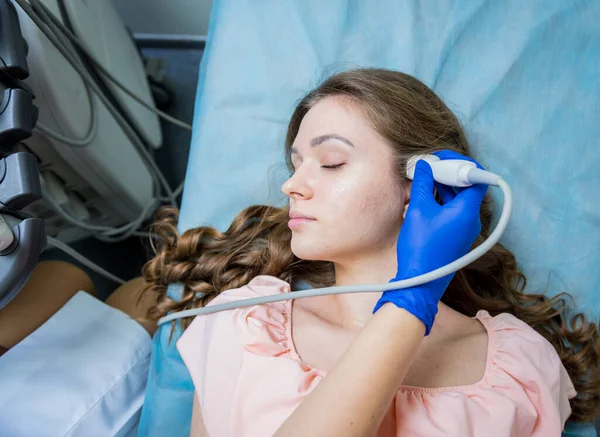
[527, 369]
[213, 347]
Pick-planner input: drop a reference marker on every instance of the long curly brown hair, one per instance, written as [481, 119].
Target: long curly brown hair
[414, 120]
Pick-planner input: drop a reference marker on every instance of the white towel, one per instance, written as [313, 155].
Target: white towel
[82, 373]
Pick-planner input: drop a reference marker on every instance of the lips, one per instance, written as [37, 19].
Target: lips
[297, 215]
[297, 220]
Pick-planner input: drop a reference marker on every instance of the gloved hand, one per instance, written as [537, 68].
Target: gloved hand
[432, 236]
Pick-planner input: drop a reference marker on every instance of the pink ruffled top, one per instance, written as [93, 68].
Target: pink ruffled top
[249, 378]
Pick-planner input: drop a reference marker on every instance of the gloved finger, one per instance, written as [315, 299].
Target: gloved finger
[472, 197]
[450, 154]
[422, 185]
[446, 193]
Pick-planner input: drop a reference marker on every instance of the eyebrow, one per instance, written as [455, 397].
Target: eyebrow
[316, 141]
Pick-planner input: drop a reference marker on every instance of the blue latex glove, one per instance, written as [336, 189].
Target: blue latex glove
[432, 236]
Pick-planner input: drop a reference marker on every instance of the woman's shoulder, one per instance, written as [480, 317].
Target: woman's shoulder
[215, 342]
[525, 364]
[225, 325]
[262, 285]
[507, 331]
[259, 286]
[525, 389]
[511, 336]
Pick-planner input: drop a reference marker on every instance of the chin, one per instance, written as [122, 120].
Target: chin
[308, 250]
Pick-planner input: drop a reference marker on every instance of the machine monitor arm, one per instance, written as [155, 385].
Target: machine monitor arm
[22, 238]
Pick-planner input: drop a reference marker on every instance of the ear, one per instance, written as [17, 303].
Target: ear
[406, 205]
[407, 191]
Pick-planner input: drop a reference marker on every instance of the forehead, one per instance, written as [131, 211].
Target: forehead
[336, 115]
[339, 116]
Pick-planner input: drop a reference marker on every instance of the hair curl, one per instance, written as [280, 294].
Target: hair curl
[414, 120]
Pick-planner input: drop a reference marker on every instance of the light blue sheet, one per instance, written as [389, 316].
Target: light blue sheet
[523, 77]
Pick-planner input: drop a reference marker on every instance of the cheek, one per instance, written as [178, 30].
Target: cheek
[358, 210]
[377, 200]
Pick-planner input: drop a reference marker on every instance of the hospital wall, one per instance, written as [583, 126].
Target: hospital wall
[187, 17]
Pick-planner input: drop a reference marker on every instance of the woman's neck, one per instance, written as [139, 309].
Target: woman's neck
[355, 309]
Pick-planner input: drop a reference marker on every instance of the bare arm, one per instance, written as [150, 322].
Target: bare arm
[353, 398]
[197, 429]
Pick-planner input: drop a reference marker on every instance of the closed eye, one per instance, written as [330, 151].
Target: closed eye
[332, 167]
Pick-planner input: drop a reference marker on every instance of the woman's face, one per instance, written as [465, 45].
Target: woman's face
[345, 186]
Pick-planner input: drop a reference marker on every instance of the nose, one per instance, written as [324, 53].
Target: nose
[297, 187]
